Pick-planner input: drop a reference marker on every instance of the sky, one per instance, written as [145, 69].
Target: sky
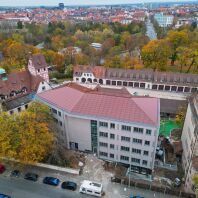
[75, 2]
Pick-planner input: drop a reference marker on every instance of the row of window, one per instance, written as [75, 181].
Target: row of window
[56, 112]
[134, 160]
[125, 128]
[124, 148]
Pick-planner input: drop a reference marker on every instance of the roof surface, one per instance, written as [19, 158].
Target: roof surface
[38, 60]
[103, 104]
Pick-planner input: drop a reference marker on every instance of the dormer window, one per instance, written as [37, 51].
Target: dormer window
[44, 69]
[38, 70]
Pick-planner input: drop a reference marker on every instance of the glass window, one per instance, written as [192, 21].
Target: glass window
[103, 154]
[148, 132]
[112, 136]
[138, 130]
[103, 134]
[111, 155]
[103, 144]
[144, 162]
[126, 128]
[135, 160]
[112, 126]
[125, 158]
[146, 152]
[112, 146]
[124, 148]
[103, 124]
[134, 150]
[138, 141]
[126, 139]
[147, 143]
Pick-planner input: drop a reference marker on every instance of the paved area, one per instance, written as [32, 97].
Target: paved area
[20, 188]
[150, 30]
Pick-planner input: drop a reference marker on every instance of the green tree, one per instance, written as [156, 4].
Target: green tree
[19, 25]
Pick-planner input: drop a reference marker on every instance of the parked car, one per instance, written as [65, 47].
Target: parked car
[15, 173]
[4, 196]
[137, 196]
[2, 168]
[51, 181]
[69, 185]
[31, 177]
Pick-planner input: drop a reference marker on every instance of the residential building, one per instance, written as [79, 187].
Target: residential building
[112, 123]
[37, 66]
[190, 143]
[143, 79]
[163, 19]
[17, 89]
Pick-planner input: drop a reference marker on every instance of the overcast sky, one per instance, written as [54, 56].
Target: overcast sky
[74, 2]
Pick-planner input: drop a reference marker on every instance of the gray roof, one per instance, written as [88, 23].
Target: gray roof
[17, 102]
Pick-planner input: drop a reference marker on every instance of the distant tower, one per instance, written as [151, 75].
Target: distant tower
[61, 6]
[37, 66]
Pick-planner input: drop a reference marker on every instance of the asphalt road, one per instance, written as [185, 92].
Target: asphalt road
[20, 188]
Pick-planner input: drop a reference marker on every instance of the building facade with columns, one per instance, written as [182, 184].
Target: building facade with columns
[143, 79]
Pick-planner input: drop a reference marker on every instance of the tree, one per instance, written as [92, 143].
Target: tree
[180, 117]
[19, 25]
[155, 55]
[27, 136]
[195, 181]
[176, 39]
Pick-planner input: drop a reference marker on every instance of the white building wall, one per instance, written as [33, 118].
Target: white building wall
[79, 131]
[187, 139]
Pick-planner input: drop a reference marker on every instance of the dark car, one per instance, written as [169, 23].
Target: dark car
[15, 173]
[31, 176]
[51, 181]
[2, 168]
[4, 196]
[69, 185]
[137, 196]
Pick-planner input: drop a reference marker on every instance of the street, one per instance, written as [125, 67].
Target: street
[150, 30]
[94, 171]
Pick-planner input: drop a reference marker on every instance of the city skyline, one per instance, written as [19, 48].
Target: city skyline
[79, 2]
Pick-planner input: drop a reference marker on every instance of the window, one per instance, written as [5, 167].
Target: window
[148, 132]
[126, 128]
[11, 112]
[103, 124]
[126, 139]
[144, 162]
[103, 144]
[135, 160]
[54, 111]
[138, 130]
[26, 106]
[125, 158]
[134, 150]
[146, 152]
[111, 155]
[19, 109]
[112, 146]
[44, 69]
[112, 126]
[103, 134]
[59, 113]
[124, 148]
[139, 141]
[147, 142]
[61, 124]
[38, 70]
[43, 88]
[112, 136]
[103, 154]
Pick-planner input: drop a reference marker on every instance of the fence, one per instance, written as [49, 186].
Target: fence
[153, 187]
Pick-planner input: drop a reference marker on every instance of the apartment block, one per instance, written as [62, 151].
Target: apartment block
[113, 124]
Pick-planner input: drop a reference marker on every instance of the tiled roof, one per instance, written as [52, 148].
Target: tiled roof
[17, 81]
[38, 60]
[103, 104]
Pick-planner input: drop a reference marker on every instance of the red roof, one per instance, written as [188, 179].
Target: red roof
[100, 103]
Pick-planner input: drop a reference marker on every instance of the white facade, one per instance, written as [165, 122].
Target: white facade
[43, 72]
[190, 145]
[117, 141]
[164, 20]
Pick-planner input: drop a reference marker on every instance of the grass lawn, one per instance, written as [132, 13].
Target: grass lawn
[167, 125]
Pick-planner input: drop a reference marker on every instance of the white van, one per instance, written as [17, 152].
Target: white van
[91, 188]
